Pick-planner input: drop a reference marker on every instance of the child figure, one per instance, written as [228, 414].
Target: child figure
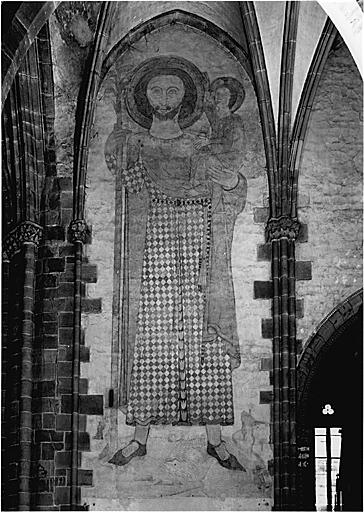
[225, 146]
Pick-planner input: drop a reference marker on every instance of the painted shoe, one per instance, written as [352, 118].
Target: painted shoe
[230, 463]
[120, 460]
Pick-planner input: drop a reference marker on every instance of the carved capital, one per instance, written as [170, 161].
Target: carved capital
[282, 227]
[26, 232]
[79, 230]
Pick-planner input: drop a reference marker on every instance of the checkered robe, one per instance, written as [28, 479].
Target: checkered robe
[181, 369]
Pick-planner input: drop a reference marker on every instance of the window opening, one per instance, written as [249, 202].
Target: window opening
[327, 465]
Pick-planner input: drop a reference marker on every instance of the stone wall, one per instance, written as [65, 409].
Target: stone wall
[177, 466]
[330, 192]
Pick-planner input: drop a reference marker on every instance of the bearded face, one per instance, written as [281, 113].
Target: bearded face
[165, 94]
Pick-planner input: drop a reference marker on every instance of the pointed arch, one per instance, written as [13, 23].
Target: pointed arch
[170, 18]
[325, 335]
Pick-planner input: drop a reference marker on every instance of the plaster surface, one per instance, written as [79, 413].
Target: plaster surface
[270, 17]
[177, 466]
[311, 21]
[330, 185]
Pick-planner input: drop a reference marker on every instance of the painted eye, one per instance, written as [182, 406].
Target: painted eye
[172, 92]
[156, 91]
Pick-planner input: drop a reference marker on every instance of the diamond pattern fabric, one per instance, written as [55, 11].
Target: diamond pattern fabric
[178, 377]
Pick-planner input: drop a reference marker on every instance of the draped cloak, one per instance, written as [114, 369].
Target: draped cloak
[179, 307]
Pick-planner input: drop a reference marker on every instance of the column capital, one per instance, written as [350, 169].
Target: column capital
[282, 227]
[26, 232]
[79, 230]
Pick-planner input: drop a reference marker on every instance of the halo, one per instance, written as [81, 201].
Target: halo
[235, 87]
[194, 82]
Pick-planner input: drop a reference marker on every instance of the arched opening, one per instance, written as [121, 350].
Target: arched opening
[329, 415]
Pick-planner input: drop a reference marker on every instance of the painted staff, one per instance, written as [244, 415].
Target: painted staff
[117, 161]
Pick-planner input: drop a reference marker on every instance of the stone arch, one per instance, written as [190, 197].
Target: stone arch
[339, 320]
[170, 18]
[341, 323]
[24, 23]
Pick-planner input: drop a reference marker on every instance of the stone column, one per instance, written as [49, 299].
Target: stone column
[79, 233]
[282, 233]
[25, 239]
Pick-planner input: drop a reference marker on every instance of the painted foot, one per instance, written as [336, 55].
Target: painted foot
[223, 457]
[131, 450]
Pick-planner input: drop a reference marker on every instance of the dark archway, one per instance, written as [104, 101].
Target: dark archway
[330, 372]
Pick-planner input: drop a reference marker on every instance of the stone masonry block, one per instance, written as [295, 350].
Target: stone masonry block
[49, 356]
[67, 199]
[300, 308]
[47, 317]
[50, 436]
[67, 250]
[62, 495]
[65, 183]
[45, 500]
[261, 215]
[263, 290]
[267, 328]
[48, 305]
[54, 233]
[303, 270]
[63, 459]
[91, 404]
[264, 252]
[66, 216]
[45, 251]
[83, 441]
[65, 305]
[64, 422]
[65, 369]
[66, 404]
[49, 421]
[54, 265]
[47, 281]
[85, 477]
[50, 328]
[82, 420]
[66, 336]
[49, 341]
[89, 273]
[303, 234]
[266, 364]
[44, 388]
[65, 353]
[49, 293]
[84, 354]
[91, 305]
[68, 290]
[266, 397]
[64, 386]
[83, 386]
[66, 319]
[47, 451]
[68, 276]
